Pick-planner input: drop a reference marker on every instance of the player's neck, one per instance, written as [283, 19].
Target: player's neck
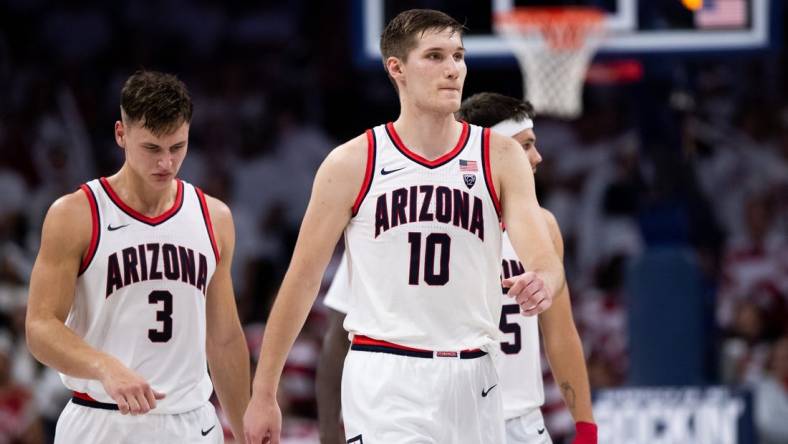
[142, 197]
[430, 135]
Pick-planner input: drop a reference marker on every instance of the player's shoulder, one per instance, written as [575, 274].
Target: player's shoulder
[73, 206]
[501, 144]
[216, 205]
[507, 160]
[355, 147]
[220, 212]
[349, 155]
[222, 224]
[69, 220]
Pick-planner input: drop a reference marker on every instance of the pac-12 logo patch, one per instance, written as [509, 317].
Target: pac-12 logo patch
[470, 180]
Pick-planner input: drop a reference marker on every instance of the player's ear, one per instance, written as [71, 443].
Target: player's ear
[395, 67]
[120, 134]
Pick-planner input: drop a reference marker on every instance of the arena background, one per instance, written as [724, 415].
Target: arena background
[671, 189]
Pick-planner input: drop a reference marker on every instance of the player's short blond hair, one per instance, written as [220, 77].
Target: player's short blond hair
[399, 37]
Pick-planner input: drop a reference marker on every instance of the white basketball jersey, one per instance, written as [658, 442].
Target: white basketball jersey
[424, 245]
[521, 368]
[141, 291]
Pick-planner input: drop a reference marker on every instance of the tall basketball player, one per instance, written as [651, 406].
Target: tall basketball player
[420, 201]
[131, 293]
[520, 370]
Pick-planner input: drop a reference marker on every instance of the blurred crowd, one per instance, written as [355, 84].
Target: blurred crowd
[694, 157]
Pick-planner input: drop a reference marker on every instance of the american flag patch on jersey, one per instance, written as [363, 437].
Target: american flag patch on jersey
[468, 165]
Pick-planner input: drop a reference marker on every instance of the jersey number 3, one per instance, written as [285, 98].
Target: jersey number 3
[433, 241]
[164, 316]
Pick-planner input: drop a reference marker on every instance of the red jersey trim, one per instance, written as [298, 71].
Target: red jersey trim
[442, 160]
[95, 233]
[369, 173]
[83, 396]
[206, 215]
[366, 340]
[163, 217]
[488, 177]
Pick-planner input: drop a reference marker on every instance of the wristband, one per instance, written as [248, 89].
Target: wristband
[585, 433]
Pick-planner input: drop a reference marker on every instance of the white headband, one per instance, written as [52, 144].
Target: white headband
[510, 127]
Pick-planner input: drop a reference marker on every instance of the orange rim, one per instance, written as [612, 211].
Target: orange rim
[563, 28]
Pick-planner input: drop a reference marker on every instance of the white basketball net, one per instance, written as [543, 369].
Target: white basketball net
[554, 56]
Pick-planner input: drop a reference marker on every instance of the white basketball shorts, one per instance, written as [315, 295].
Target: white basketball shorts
[80, 424]
[527, 429]
[391, 395]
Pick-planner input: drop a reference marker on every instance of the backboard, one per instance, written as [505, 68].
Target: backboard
[635, 27]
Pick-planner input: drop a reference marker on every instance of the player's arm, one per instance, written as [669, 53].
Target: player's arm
[336, 185]
[65, 238]
[329, 378]
[228, 357]
[563, 347]
[514, 180]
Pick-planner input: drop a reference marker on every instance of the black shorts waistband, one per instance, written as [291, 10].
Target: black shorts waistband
[86, 400]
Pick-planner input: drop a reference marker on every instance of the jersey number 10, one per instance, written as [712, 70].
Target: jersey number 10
[432, 242]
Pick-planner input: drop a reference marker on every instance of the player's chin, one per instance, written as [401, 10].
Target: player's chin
[448, 106]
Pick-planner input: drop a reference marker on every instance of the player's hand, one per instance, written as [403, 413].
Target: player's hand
[530, 293]
[129, 390]
[585, 433]
[262, 421]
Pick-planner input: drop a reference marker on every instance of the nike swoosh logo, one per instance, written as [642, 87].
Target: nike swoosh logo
[383, 170]
[485, 392]
[540, 431]
[111, 228]
[205, 432]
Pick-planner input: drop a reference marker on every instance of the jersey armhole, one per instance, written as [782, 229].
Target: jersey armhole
[370, 171]
[206, 216]
[95, 233]
[488, 177]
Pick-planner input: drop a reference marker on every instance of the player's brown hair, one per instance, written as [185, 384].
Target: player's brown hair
[399, 37]
[159, 101]
[486, 109]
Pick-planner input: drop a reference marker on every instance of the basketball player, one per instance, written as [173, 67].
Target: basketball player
[521, 373]
[131, 292]
[418, 200]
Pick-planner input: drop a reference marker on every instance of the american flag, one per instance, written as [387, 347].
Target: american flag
[721, 14]
[468, 165]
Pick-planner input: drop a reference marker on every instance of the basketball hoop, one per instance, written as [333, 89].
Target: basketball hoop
[554, 46]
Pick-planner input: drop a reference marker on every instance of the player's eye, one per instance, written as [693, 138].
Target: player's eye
[459, 56]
